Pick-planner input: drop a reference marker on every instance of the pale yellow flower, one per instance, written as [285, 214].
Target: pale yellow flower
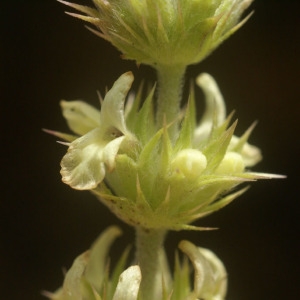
[93, 154]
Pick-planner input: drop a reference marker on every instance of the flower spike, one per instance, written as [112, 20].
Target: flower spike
[150, 161]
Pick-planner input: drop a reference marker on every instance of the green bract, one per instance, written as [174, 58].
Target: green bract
[150, 180]
[164, 32]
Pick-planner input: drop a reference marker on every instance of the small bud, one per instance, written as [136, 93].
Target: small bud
[189, 162]
[231, 163]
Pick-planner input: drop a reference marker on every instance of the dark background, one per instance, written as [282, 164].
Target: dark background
[46, 56]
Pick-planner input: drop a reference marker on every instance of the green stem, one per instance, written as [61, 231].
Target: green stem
[149, 245]
[170, 85]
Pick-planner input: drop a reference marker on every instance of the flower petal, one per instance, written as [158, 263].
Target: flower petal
[210, 275]
[129, 283]
[95, 269]
[110, 151]
[215, 110]
[72, 282]
[82, 167]
[112, 110]
[71, 288]
[80, 116]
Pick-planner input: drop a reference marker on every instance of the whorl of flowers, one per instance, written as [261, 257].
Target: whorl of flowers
[164, 32]
[90, 277]
[144, 177]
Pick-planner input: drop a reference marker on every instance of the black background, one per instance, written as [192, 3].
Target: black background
[46, 56]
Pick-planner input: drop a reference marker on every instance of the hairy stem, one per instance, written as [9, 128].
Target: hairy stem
[149, 243]
[170, 85]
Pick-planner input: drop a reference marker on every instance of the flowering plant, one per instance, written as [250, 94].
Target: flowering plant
[151, 162]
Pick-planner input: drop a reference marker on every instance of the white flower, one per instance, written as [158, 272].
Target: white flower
[91, 155]
[215, 115]
[210, 279]
[88, 277]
